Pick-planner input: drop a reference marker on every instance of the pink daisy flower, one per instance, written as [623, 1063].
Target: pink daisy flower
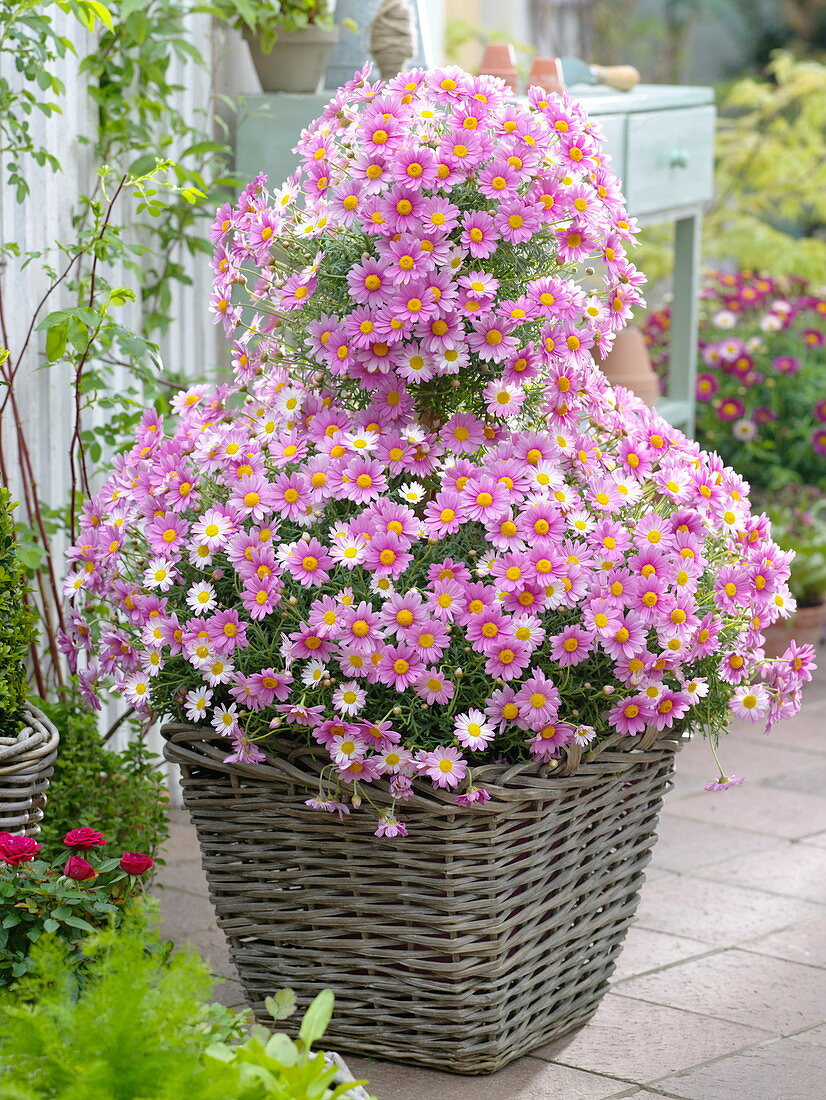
[400, 666]
[445, 766]
[309, 563]
[538, 701]
[630, 715]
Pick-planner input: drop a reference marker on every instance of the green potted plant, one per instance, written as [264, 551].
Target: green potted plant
[28, 740]
[799, 523]
[290, 41]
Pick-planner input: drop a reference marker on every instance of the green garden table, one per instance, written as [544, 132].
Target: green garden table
[661, 140]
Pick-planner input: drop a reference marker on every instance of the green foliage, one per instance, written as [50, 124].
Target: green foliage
[122, 793]
[139, 1027]
[275, 1067]
[769, 212]
[29, 37]
[268, 18]
[16, 630]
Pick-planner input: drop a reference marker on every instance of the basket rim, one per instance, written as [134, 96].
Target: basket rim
[37, 735]
[506, 783]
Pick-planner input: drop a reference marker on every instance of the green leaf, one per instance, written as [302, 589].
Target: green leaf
[121, 295]
[56, 341]
[316, 1018]
[281, 1005]
[50, 925]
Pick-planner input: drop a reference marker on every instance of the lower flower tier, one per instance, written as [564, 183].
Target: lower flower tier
[486, 932]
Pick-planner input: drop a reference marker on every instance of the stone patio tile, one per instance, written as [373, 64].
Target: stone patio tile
[743, 987]
[811, 780]
[815, 1035]
[788, 814]
[805, 943]
[231, 994]
[782, 1070]
[793, 869]
[641, 1042]
[183, 874]
[526, 1079]
[184, 914]
[685, 845]
[645, 950]
[717, 912]
[818, 839]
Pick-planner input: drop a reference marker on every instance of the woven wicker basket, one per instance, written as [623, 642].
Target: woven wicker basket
[483, 934]
[26, 764]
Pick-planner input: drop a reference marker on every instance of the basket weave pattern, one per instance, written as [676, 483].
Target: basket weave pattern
[26, 764]
[485, 933]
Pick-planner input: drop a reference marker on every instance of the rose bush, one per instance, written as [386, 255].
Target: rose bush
[65, 900]
[418, 528]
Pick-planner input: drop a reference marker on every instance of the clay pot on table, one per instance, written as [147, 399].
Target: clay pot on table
[628, 364]
[804, 627]
[499, 60]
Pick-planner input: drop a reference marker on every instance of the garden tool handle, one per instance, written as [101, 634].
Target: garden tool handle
[623, 77]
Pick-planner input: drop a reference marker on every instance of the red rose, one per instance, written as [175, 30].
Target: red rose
[84, 838]
[79, 869]
[135, 864]
[16, 849]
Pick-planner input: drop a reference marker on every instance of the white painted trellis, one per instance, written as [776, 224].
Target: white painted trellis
[44, 393]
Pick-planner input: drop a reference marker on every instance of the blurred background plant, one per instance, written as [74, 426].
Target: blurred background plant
[798, 516]
[761, 386]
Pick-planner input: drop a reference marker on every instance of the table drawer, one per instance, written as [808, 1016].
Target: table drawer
[669, 159]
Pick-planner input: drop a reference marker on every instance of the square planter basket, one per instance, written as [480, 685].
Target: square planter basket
[26, 765]
[483, 934]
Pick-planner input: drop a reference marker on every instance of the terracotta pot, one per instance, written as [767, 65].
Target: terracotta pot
[629, 365]
[297, 61]
[547, 73]
[499, 60]
[804, 627]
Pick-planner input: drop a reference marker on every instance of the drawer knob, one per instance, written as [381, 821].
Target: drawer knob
[679, 158]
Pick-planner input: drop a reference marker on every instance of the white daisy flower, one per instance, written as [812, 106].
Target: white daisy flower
[197, 703]
[225, 719]
[411, 492]
[349, 698]
[313, 673]
[202, 599]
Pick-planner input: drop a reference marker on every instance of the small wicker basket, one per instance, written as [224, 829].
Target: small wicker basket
[483, 934]
[26, 764]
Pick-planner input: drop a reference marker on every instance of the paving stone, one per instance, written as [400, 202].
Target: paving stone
[717, 912]
[805, 943]
[815, 1035]
[788, 814]
[807, 730]
[184, 874]
[684, 845]
[758, 991]
[231, 994]
[526, 1079]
[640, 1042]
[811, 780]
[794, 869]
[818, 839]
[645, 950]
[782, 1070]
[183, 914]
